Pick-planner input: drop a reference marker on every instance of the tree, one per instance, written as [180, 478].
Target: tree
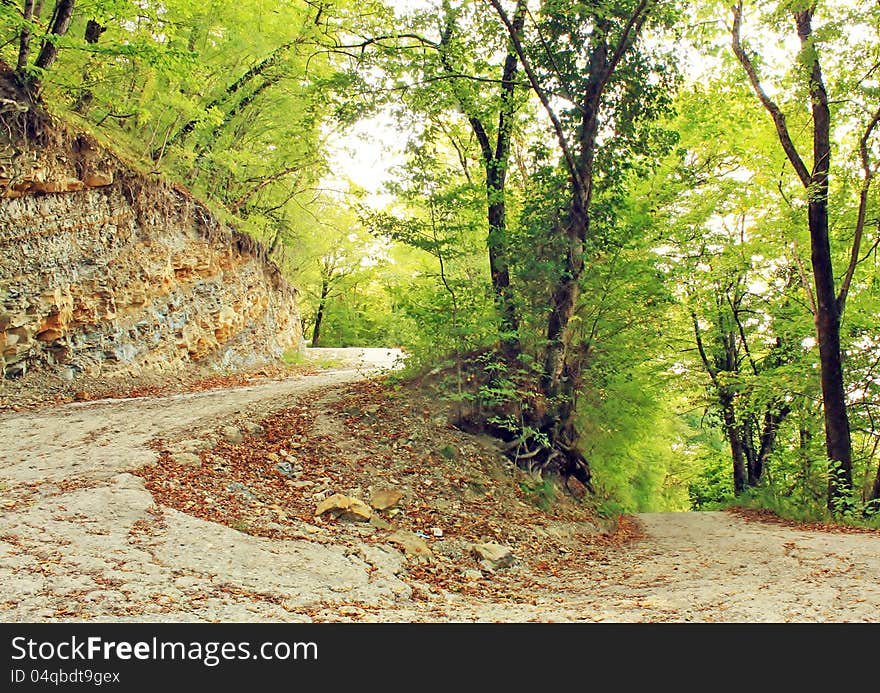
[443, 64]
[59, 23]
[829, 299]
[590, 58]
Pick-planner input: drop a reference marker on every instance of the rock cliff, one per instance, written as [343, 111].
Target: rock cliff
[104, 270]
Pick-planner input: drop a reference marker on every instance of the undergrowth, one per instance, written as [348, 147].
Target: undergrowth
[859, 514]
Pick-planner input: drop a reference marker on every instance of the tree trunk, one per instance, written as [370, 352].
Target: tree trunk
[319, 315]
[567, 288]
[496, 180]
[495, 164]
[747, 435]
[769, 430]
[500, 270]
[60, 24]
[838, 442]
[24, 46]
[92, 36]
[875, 491]
[735, 440]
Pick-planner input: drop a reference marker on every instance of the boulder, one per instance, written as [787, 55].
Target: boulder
[385, 498]
[496, 555]
[345, 507]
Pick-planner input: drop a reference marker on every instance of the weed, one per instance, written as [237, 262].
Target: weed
[540, 492]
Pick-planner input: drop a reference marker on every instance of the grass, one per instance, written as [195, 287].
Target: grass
[293, 357]
[240, 526]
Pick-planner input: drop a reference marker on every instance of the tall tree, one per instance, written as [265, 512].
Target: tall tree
[495, 156]
[829, 299]
[588, 57]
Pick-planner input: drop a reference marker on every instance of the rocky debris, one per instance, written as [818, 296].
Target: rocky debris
[472, 574]
[412, 544]
[344, 507]
[385, 498]
[232, 435]
[238, 487]
[495, 555]
[285, 469]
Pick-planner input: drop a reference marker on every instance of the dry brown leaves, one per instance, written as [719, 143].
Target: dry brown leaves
[769, 517]
[458, 489]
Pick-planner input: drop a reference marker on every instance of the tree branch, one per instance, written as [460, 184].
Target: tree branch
[867, 176]
[570, 162]
[713, 374]
[778, 116]
[805, 282]
[633, 27]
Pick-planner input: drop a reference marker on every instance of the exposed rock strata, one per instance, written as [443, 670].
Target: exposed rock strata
[103, 270]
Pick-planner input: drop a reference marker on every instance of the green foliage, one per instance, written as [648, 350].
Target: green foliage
[712, 487]
[539, 491]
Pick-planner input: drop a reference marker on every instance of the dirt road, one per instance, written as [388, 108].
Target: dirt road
[81, 538]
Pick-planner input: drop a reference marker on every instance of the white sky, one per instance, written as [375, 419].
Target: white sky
[365, 155]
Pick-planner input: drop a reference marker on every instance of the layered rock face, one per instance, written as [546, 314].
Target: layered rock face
[105, 271]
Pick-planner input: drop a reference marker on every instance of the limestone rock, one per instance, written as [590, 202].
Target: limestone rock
[385, 498]
[232, 435]
[113, 280]
[97, 179]
[187, 459]
[496, 555]
[412, 544]
[345, 507]
[63, 184]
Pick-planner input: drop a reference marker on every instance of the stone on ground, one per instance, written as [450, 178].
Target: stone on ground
[497, 555]
[345, 507]
[411, 544]
[385, 498]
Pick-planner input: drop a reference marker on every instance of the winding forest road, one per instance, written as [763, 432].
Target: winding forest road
[81, 538]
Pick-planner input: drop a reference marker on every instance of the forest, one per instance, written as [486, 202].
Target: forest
[638, 237]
